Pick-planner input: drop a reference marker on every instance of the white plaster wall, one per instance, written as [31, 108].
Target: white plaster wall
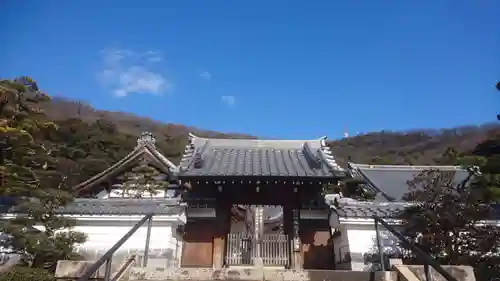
[164, 247]
[340, 248]
[361, 240]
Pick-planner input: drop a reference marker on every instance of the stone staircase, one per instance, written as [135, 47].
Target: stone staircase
[252, 274]
[71, 270]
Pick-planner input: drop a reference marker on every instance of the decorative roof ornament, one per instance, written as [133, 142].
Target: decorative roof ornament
[146, 138]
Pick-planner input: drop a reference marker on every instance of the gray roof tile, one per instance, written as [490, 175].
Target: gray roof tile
[368, 210]
[112, 206]
[392, 181]
[246, 157]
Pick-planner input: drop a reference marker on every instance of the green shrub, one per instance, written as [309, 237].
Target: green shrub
[20, 273]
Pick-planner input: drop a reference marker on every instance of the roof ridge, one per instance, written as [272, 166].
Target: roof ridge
[193, 136]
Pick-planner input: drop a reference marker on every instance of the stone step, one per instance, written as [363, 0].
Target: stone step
[255, 274]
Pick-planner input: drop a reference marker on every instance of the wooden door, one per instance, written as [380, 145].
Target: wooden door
[198, 245]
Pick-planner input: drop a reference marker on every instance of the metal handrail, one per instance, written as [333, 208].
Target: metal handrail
[106, 258]
[123, 268]
[414, 248]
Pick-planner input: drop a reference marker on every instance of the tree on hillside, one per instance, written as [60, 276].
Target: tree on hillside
[449, 157]
[31, 181]
[378, 160]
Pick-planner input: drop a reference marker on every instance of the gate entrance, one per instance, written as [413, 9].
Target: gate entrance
[256, 237]
[271, 249]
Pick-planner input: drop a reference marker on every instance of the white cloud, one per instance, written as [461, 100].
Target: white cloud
[153, 56]
[206, 76]
[127, 72]
[229, 100]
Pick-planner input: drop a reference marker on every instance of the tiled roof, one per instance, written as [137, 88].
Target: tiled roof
[391, 181]
[124, 206]
[247, 157]
[145, 149]
[91, 206]
[368, 210]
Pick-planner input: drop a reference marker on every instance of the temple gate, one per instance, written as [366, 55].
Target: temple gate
[253, 202]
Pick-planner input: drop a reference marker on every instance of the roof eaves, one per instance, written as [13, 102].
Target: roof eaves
[127, 160]
[327, 156]
[356, 172]
[405, 167]
[187, 155]
[95, 179]
[171, 166]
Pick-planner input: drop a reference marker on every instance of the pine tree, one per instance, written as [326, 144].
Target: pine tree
[30, 178]
[447, 221]
[143, 179]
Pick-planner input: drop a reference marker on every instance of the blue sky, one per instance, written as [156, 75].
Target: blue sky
[277, 69]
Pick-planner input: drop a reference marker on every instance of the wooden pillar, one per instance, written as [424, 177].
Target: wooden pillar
[296, 242]
[291, 220]
[287, 229]
[218, 251]
[221, 222]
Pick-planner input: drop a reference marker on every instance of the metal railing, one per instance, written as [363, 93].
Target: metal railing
[419, 253]
[107, 257]
[121, 271]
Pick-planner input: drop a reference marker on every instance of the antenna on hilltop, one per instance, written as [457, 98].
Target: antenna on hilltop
[346, 134]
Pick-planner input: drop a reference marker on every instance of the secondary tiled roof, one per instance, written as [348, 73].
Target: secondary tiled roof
[368, 210]
[91, 206]
[391, 181]
[247, 157]
[145, 149]
[388, 210]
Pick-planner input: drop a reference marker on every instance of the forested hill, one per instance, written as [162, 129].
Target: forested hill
[98, 138]
[417, 147]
